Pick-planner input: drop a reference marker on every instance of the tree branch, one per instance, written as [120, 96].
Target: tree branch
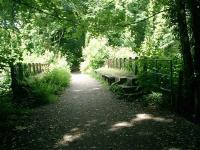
[42, 11]
[136, 22]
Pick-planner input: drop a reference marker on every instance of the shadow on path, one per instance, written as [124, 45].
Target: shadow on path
[89, 116]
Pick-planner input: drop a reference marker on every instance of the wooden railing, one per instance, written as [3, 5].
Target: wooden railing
[21, 71]
[129, 64]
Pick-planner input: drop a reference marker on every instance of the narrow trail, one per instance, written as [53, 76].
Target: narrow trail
[88, 116]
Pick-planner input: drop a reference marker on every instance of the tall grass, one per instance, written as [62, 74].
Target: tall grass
[44, 88]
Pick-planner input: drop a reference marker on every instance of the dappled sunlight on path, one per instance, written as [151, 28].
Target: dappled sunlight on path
[138, 118]
[88, 116]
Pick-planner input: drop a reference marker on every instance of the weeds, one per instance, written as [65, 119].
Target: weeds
[45, 87]
[116, 89]
[153, 99]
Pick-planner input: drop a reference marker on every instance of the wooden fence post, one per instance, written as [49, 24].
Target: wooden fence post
[37, 68]
[29, 68]
[120, 63]
[117, 63]
[112, 63]
[130, 64]
[124, 63]
[26, 70]
[34, 69]
[136, 66]
[14, 84]
[20, 72]
[41, 68]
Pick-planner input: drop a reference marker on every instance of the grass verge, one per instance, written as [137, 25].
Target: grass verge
[46, 87]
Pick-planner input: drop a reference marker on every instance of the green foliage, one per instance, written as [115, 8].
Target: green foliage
[4, 83]
[116, 89]
[160, 74]
[94, 54]
[145, 27]
[38, 26]
[46, 87]
[98, 50]
[153, 98]
[7, 108]
[9, 48]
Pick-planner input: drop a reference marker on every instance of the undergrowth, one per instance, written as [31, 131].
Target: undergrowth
[116, 89]
[46, 87]
[9, 112]
[153, 99]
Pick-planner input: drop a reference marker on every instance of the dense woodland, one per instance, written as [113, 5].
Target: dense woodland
[72, 33]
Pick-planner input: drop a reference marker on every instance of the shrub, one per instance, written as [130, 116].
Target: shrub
[154, 98]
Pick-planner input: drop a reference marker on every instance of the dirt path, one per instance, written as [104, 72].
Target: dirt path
[89, 116]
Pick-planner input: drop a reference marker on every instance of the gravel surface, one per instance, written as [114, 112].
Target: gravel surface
[88, 116]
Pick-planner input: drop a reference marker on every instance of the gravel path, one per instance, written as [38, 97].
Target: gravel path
[88, 116]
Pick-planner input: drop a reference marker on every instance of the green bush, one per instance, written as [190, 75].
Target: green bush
[154, 98]
[46, 87]
[5, 81]
[116, 89]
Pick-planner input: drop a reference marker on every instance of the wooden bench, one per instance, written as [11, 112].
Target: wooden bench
[109, 79]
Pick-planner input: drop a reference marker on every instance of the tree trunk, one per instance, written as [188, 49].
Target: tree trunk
[195, 14]
[188, 100]
[194, 6]
[14, 84]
